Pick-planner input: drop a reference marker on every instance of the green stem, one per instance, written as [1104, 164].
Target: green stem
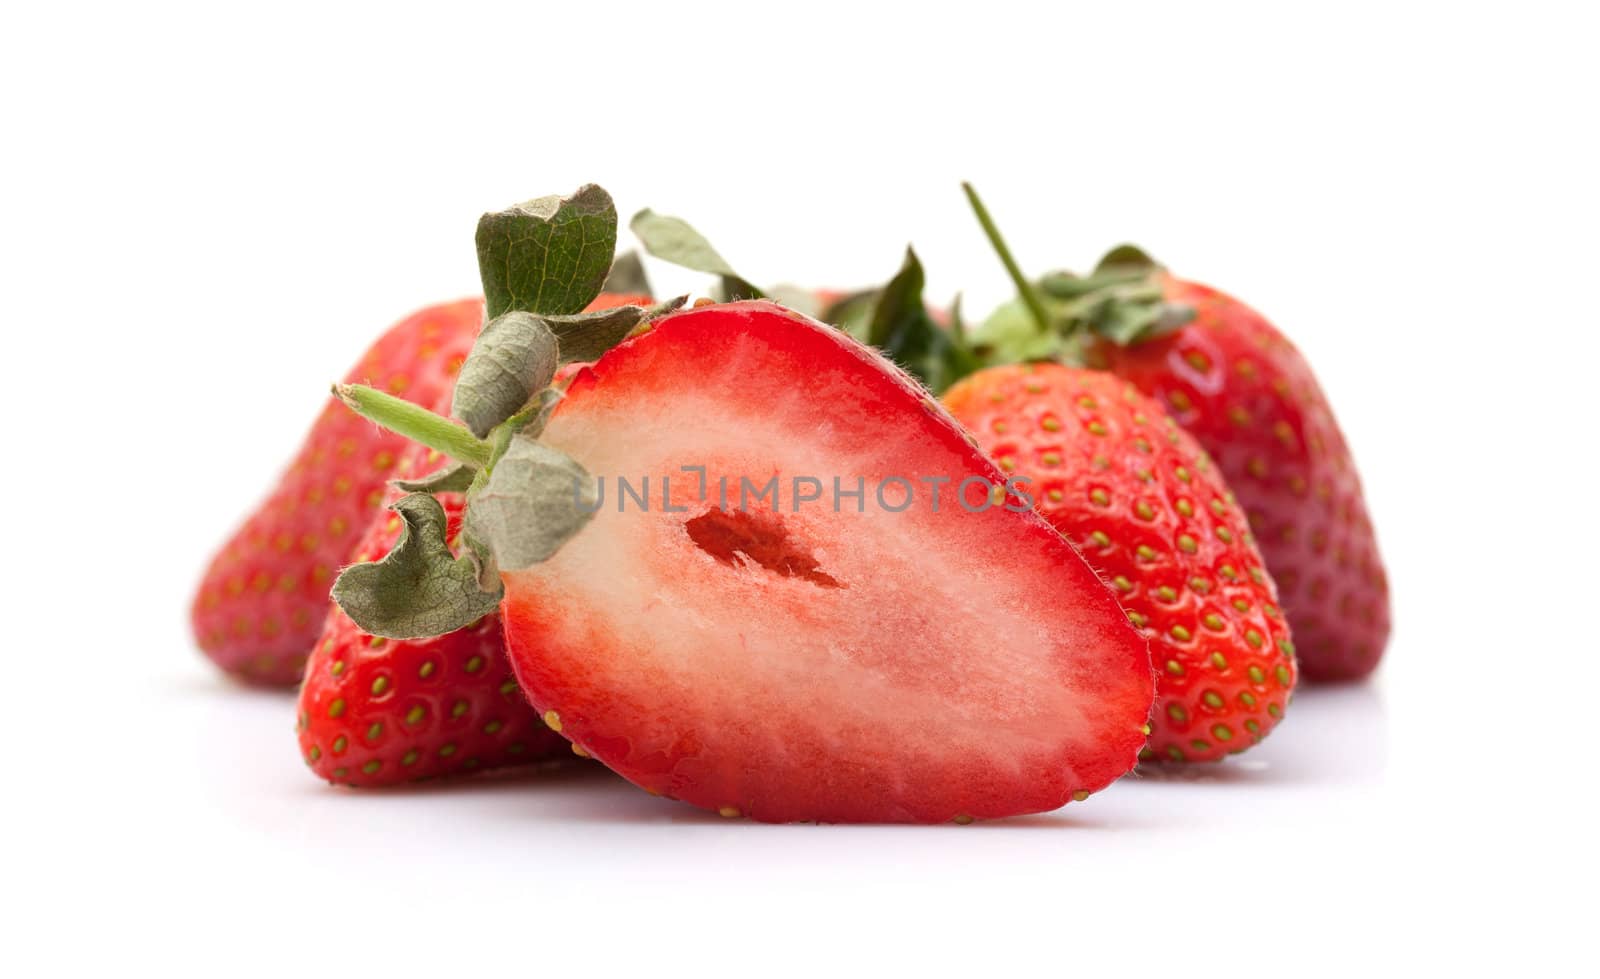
[415, 423]
[1025, 289]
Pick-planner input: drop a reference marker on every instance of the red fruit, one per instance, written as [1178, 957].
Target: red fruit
[263, 599]
[1110, 470]
[797, 663]
[262, 602]
[1249, 397]
[611, 300]
[379, 711]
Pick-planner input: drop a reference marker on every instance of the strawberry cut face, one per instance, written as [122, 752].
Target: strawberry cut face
[796, 651]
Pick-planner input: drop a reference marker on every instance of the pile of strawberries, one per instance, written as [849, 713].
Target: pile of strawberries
[844, 558]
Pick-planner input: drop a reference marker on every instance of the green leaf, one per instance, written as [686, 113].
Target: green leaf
[664, 307]
[587, 336]
[515, 356]
[673, 240]
[1126, 258]
[853, 313]
[901, 327]
[1173, 317]
[1067, 286]
[531, 419]
[797, 298]
[534, 501]
[1011, 335]
[454, 478]
[898, 314]
[627, 277]
[420, 589]
[1122, 323]
[549, 255]
[1129, 321]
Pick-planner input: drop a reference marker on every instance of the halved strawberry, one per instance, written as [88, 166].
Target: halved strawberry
[867, 655]
[798, 661]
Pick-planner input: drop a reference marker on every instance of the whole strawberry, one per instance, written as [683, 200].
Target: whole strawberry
[263, 599]
[377, 711]
[1142, 502]
[1248, 395]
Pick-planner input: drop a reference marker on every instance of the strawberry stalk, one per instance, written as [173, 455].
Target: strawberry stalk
[1121, 301]
[416, 423]
[1025, 290]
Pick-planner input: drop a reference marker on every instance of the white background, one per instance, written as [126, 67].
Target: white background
[208, 213]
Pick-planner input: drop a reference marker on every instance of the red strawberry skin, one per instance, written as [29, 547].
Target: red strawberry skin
[611, 300]
[263, 599]
[807, 664]
[1110, 470]
[261, 604]
[377, 712]
[1249, 397]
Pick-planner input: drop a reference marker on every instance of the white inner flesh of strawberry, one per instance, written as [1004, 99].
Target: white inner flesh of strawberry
[931, 642]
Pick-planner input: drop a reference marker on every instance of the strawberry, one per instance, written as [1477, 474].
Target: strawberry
[928, 342]
[1139, 497]
[263, 599]
[377, 711]
[614, 300]
[795, 663]
[899, 661]
[1248, 395]
[260, 605]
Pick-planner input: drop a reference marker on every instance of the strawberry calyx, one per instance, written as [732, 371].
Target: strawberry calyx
[891, 317]
[1122, 300]
[542, 263]
[627, 277]
[420, 588]
[896, 320]
[674, 240]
